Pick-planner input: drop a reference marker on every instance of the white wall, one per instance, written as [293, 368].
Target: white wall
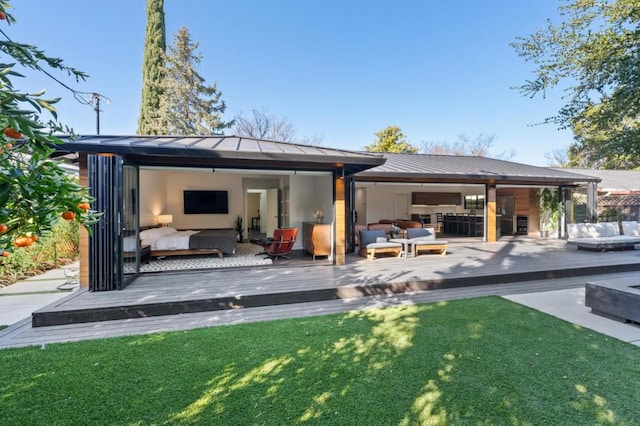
[153, 196]
[308, 194]
[178, 182]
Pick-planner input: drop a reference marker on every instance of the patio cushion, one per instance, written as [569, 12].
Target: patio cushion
[585, 230]
[630, 227]
[422, 233]
[383, 245]
[371, 236]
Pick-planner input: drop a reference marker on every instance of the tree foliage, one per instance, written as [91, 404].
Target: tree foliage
[593, 53]
[187, 105]
[153, 69]
[34, 189]
[391, 139]
[261, 124]
[479, 146]
[598, 148]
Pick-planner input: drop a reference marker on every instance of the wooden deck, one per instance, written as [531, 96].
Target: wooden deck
[465, 265]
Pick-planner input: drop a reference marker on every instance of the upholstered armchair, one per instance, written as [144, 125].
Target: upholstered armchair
[280, 245]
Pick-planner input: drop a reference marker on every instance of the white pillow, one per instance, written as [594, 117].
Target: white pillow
[630, 227]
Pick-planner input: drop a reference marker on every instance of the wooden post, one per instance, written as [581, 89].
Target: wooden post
[84, 235]
[491, 213]
[340, 215]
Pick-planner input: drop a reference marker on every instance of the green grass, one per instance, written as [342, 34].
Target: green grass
[479, 361]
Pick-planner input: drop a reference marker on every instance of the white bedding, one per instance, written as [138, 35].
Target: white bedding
[179, 240]
[166, 238]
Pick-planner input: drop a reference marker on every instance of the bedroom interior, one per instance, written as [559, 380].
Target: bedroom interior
[181, 205]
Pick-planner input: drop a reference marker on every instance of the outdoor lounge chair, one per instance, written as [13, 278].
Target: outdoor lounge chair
[374, 242]
[424, 239]
[280, 245]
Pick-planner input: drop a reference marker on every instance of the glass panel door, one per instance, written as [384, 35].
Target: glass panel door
[129, 224]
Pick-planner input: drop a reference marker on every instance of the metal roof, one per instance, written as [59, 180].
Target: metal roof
[221, 151]
[467, 169]
[613, 180]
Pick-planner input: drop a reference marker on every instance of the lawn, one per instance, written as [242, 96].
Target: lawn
[477, 361]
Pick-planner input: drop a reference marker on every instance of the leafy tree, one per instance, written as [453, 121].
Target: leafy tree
[35, 192]
[594, 54]
[264, 125]
[187, 105]
[391, 139]
[479, 146]
[153, 69]
[594, 147]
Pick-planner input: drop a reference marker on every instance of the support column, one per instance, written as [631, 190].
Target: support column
[592, 202]
[491, 213]
[340, 215]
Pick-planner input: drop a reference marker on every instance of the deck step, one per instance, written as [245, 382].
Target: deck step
[56, 314]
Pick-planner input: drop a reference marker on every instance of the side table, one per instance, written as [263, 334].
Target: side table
[405, 244]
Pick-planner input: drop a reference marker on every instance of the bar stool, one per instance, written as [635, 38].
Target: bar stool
[439, 221]
[478, 226]
[466, 224]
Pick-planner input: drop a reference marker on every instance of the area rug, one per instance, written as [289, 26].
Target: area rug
[245, 255]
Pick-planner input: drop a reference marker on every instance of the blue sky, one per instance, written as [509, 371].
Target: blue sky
[344, 69]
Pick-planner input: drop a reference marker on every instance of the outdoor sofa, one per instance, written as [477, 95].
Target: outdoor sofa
[604, 235]
[386, 225]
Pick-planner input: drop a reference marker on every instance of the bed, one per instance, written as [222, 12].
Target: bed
[168, 241]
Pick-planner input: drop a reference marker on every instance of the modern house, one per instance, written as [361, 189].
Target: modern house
[137, 179]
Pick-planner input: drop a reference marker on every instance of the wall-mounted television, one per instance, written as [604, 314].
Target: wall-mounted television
[206, 202]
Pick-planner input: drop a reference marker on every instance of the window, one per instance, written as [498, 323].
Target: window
[474, 202]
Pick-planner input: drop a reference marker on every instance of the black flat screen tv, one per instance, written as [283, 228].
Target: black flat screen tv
[206, 202]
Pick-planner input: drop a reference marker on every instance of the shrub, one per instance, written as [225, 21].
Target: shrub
[59, 247]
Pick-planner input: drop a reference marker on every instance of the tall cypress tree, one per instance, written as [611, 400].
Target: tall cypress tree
[153, 69]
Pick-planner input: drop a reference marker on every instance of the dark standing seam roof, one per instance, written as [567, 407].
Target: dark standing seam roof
[427, 167]
[221, 151]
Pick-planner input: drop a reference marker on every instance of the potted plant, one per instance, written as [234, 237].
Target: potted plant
[239, 227]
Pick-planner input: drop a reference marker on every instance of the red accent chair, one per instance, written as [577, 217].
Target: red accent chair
[280, 245]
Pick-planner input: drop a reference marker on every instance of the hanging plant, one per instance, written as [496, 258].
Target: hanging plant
[549, 209]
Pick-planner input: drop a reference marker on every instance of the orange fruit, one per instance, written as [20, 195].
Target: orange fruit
[68, 215]
[5, 253]
[13, 134]
[35, 238]
[3, 228]
[84, 206]
[23, 241]
[3, 17]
